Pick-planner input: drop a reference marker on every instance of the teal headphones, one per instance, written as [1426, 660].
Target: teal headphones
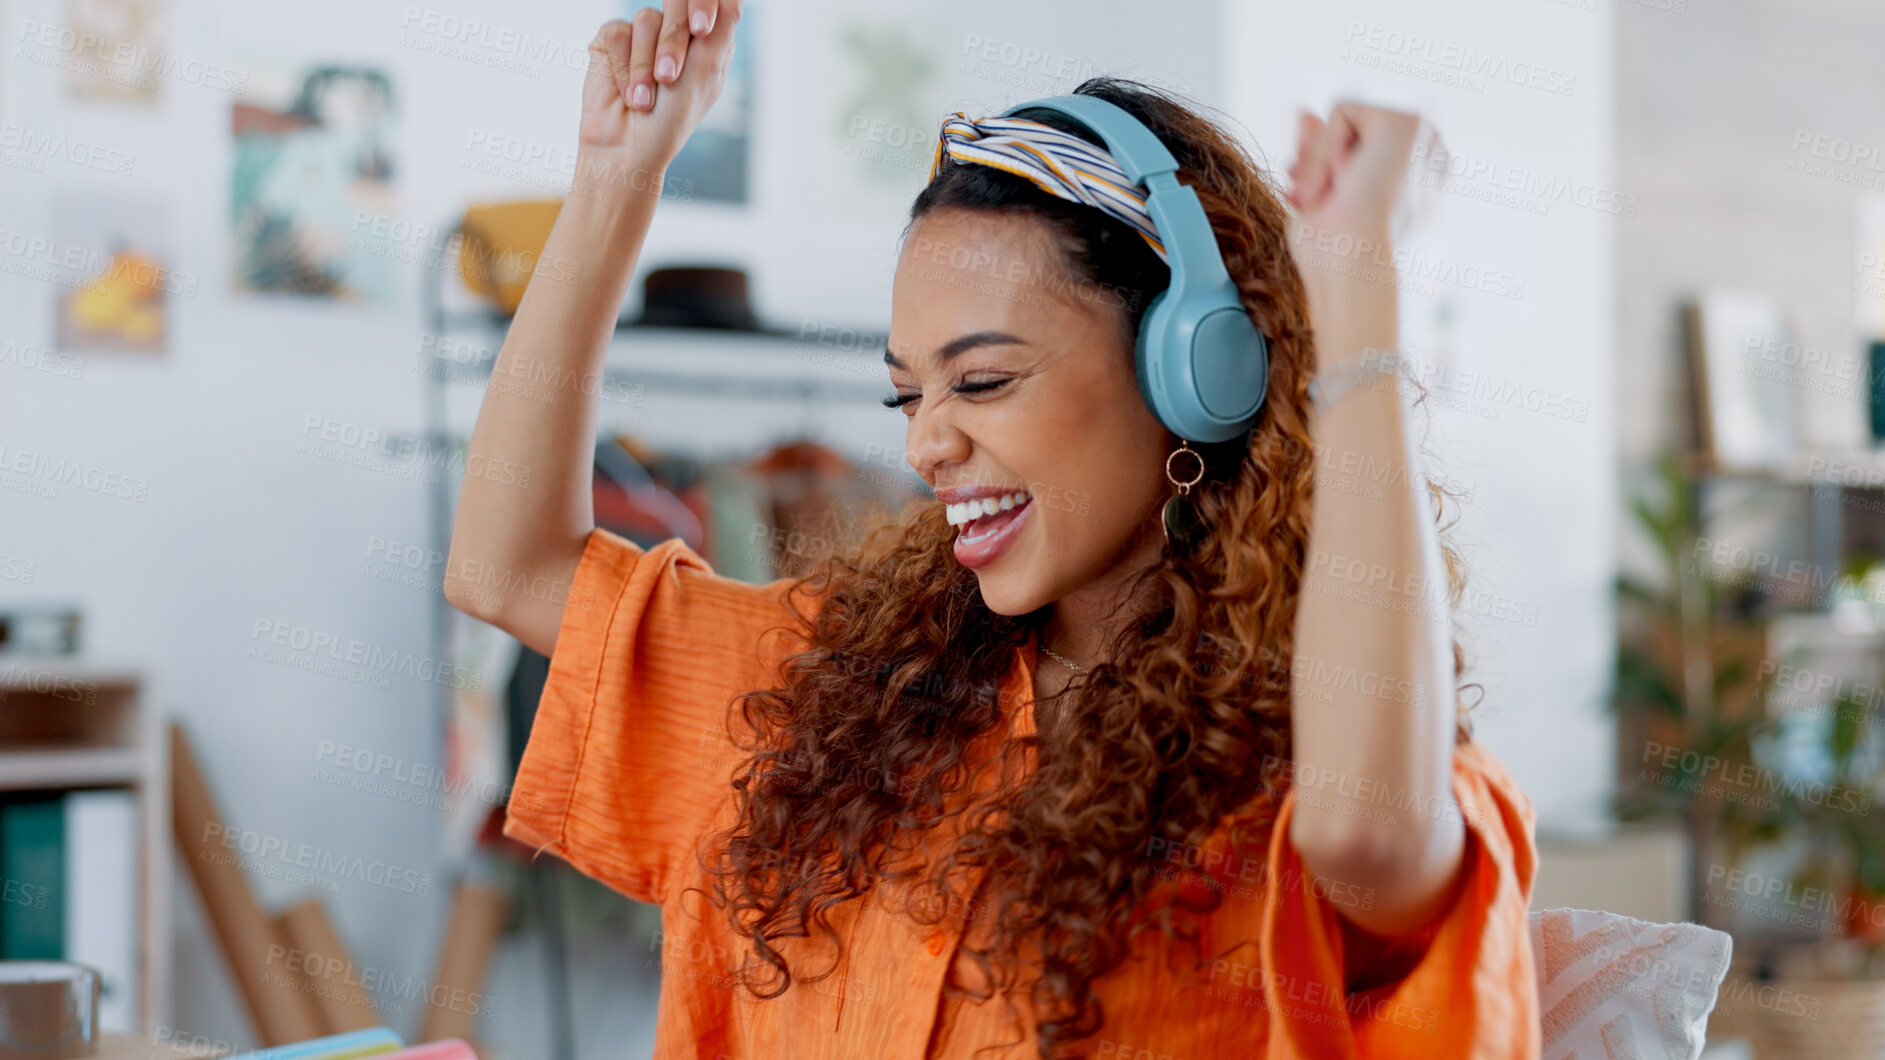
[1202, 364]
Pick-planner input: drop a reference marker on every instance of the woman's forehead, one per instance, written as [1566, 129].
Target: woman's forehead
[986, 241]
[964, 271]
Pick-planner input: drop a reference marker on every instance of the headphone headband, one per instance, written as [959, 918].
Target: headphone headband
[1190, 245]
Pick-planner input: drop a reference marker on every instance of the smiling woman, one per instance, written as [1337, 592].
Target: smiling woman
[1023, 768]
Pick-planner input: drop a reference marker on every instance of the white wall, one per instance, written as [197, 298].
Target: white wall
[1529, 201]
[239, 527]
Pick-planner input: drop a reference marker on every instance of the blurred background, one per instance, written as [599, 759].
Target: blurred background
[256, 261]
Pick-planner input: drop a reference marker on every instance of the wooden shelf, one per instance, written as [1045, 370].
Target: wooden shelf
[1855, 469]
[70, 723]
[120, 1047]
[79, 767]
[27, 673]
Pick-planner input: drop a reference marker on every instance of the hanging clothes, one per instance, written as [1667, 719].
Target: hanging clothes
[819, 499]
[754, 520]
[629, 494]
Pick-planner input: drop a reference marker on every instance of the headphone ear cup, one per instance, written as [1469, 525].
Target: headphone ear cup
[1202, 363]
[1232, 363]
[1152, 325]
[1203, 368]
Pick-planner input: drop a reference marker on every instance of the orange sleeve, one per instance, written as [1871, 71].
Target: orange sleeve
[629, 755]
[1469, 990]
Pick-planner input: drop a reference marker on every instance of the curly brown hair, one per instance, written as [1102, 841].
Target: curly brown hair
[870, 743]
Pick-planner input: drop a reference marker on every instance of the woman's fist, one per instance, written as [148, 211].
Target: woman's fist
[1349, 170]
[651, 79]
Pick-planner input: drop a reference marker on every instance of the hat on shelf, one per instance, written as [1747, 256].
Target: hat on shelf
[697, 296]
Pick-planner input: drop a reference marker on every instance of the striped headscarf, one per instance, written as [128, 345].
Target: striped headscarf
[1059, 163]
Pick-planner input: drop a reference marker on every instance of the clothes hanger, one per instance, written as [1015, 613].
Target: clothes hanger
[620, 468]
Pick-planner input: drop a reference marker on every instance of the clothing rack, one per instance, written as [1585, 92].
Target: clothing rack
[801, 388]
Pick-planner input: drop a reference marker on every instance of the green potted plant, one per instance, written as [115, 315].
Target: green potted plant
[1687, 681]
[1692, 687]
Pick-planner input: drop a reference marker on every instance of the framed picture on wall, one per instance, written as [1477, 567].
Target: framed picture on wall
[116, 296]
[1868, 267]
[313, 154]
[1868, 301]
[123, 50]
[886, 83]
[714, 163]
[1747, 373]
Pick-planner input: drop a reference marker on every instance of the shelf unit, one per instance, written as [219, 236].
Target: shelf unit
[1826, 479]
[68, 724]
[1830, 493]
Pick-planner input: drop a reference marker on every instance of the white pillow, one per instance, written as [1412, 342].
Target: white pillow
[1615, 988]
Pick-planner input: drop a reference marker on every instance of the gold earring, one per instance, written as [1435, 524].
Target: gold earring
[1180, 517]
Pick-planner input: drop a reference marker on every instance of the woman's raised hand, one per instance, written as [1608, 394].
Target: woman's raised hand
[1347, 177]
[651, 79]
[1349, 170]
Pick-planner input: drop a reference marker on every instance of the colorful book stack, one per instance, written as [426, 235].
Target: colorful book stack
[380, 1043]
[377, 1042]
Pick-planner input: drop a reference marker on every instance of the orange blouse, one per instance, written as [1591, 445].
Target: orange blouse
[627, 769]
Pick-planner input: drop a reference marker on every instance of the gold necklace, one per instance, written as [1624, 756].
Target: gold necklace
[1064, 661]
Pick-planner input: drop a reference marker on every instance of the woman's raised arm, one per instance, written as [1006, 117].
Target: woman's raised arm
[1373, 680]
[526, 509]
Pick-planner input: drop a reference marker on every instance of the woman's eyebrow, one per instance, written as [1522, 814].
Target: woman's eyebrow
[958, 346]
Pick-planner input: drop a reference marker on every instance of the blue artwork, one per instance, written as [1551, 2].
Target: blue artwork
[311, 187]
[714, 163]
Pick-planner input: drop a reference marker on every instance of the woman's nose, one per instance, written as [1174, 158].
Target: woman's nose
[932, 443]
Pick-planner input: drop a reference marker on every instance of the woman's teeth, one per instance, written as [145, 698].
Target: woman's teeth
[969, 511]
